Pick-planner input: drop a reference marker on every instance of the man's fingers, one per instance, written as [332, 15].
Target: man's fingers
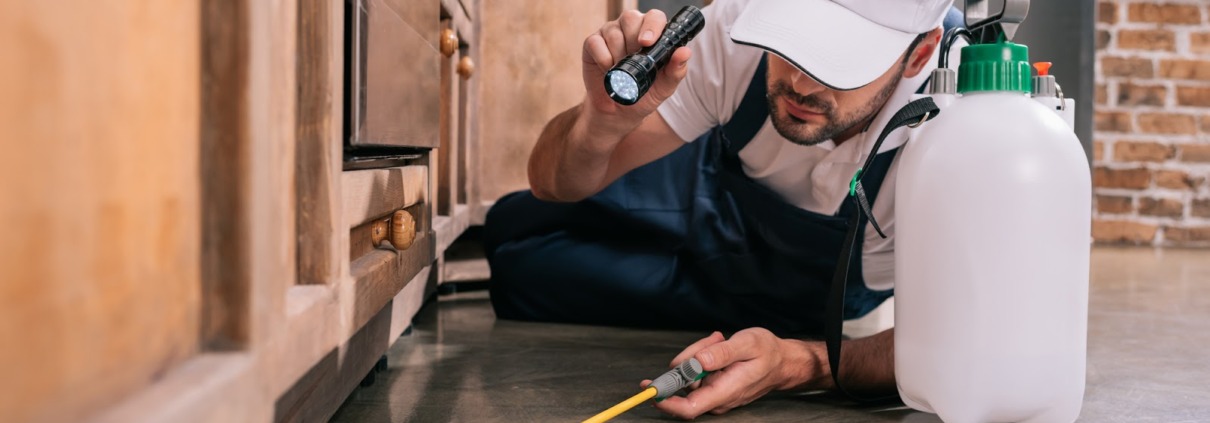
[693, 348]
[630, 22]
[676, 67]
[640, 29]
[596, 50]
[615, 41]
[680, 58]
[723, 354]
[738, 374]
[707, 398]
[653, 24]
[670, 77]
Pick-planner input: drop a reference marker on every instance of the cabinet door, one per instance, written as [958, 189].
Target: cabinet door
[394, 74]
[99, 201]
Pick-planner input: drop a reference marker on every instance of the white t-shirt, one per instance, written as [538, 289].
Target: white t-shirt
[814, 178]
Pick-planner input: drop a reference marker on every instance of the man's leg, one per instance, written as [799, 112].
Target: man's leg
[559, 262]
[559, 277]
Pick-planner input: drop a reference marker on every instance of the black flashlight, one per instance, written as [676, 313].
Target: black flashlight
[630, 78]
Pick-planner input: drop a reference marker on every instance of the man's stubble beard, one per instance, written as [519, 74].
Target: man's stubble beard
[802, 133]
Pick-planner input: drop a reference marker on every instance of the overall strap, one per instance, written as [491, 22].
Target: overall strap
[912, 114]
[751, 114]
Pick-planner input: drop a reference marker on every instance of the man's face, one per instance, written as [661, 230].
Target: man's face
[808, 113]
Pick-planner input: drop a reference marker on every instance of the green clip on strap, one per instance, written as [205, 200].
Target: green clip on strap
[853, 183]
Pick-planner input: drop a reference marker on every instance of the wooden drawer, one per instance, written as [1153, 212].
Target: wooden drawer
[386, 253]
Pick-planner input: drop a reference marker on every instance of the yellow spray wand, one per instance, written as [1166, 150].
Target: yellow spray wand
[662, 387]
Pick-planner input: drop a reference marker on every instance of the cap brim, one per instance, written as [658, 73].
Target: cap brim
[835, 46]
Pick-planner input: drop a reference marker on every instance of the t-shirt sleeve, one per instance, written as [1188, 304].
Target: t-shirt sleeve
[719, 73]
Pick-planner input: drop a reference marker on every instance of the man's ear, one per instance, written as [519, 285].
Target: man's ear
[922, 53]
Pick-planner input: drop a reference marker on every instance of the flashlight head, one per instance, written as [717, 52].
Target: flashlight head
[629, 79]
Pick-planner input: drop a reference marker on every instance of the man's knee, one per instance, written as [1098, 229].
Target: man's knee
[496, 230]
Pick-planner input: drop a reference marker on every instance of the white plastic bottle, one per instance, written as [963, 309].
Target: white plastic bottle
[993, 214]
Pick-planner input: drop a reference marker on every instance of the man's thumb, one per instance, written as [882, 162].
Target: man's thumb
[671, 75]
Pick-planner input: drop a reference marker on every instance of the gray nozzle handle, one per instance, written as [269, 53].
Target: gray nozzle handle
[944, 81]
[678, 378]
[1045, 86]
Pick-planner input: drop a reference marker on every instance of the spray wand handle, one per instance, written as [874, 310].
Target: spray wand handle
[678, 378]
[664, 386]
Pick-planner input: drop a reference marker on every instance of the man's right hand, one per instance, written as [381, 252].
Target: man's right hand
[632, 31]
[744, 368]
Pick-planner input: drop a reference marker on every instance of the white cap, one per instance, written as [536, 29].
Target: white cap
[843, 44]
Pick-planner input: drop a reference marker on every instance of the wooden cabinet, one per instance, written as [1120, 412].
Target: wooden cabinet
[367, 250]
[184, 237]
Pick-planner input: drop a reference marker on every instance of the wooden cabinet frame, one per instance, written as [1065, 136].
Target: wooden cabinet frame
[288, 329]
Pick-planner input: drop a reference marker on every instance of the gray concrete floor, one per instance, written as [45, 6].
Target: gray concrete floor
[1148, 353]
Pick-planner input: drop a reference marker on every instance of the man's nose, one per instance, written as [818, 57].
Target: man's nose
[804, 84]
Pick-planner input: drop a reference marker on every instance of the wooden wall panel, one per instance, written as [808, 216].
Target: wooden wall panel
[99, 261]
[466, 116]
[224, 136]
[320, 80]
[270, 215]
[445, 168]
[247, 141]
[530, 71]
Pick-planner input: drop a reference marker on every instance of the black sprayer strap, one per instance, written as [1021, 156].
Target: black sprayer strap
[912, 114]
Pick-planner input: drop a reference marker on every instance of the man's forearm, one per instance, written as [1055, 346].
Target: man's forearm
[867, 365]
[569, 161]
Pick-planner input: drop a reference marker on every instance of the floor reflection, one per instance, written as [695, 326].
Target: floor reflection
[1149, 359]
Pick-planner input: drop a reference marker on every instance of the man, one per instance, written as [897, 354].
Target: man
[716, 201]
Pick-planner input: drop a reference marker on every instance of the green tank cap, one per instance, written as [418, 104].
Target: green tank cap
[1002, 66]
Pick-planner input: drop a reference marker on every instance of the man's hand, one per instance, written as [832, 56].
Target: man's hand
[631, 32]
[749, 365]
[755, 361]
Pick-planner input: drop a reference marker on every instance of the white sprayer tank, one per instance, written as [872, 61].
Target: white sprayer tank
[993, 214]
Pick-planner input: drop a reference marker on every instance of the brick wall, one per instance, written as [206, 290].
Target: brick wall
[1151, 141]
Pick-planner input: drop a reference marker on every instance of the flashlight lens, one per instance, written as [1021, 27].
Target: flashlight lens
[624, 86]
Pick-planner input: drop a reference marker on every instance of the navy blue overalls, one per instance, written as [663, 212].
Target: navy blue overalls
[688, 242]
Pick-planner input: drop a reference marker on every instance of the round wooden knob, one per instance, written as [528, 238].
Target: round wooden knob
[403, 230]
[449, 42]
[466, 67]
[379, 232]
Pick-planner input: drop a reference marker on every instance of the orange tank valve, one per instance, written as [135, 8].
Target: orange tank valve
[1043, 68]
